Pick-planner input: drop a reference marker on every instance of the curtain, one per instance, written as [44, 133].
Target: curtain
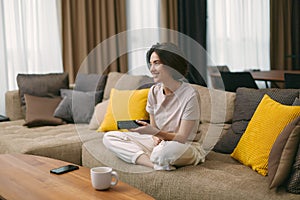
[239, 34]
[169, 20]
[281, 41]
[192, 23]
[30, 41]
[296, 34]
[87, 24]
[142, 32]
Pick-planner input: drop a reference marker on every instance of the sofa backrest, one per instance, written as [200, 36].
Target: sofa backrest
[216, 112]
[13, 107]
[216, 106]
[123, 81]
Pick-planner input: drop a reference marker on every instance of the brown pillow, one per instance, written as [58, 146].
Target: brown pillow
[39, 111]
[246, 102]
[282, 154]
[293, 184]
[42, 85]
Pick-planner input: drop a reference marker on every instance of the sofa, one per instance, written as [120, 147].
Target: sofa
[219, 177]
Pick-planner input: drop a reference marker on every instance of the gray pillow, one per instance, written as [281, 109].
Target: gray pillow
[64, 110]
[77, 106]
[246, 102]
[42, 85]
[90, 82]
[296, 102]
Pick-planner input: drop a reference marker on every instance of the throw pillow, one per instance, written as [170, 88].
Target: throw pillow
[125, 105]
[216, 111]
[64, 110]
[293, 184]
[282, 154]
[268, 121]
[40, 111]
[98, 115]
[123, 81]
[100, 110]
[90, 82]
[296, 102]
[247, 100]
[42, 85]
[77, 106]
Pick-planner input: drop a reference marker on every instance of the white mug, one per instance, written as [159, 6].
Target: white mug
[102, 178]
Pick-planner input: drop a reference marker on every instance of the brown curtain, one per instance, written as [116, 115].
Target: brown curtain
[296, 34]
[169, 20]
[280, 34]
[87, 23]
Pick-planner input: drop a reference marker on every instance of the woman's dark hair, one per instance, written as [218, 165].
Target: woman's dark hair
[171, 56]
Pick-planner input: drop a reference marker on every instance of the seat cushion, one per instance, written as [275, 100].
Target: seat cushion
[60, 142]
[219, 177]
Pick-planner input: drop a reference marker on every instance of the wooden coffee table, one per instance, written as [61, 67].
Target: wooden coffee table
[27, 177]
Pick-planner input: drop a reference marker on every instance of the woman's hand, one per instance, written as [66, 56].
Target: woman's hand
[145, 128]
[156, 140]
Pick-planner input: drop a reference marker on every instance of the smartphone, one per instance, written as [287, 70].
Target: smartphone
[64, 169]
[129, 124]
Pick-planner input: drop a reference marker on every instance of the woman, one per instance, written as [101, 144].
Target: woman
[169, 140]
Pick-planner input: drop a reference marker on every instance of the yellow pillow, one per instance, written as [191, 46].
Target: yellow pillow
[267, 122]
[124, 105]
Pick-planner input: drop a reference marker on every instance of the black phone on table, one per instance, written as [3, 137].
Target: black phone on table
[64, 169]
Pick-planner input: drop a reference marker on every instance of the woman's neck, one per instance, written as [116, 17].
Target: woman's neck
[171, 86]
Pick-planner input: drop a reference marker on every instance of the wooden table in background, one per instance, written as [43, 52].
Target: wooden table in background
[28, 177]
[272, 75]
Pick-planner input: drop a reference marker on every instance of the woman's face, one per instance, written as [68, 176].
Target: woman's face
[158, 70]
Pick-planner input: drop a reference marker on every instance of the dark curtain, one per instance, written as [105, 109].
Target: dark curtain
[296, 34]
[280, 34]
[87, 23]
[169, 20]
[192, 23]
[285, 34]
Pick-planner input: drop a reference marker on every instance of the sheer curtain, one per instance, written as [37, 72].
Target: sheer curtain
[142, 24]
[238, 33]
[30, 37]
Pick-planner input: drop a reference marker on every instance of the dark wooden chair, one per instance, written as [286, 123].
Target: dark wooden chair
[292, 81]
[215, 77]
[234, 80]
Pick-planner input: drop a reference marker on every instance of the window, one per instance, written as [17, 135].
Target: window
[30, 39]
[142, 25]
[239, 34]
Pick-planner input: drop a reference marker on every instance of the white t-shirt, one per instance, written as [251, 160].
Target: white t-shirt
[169, 110]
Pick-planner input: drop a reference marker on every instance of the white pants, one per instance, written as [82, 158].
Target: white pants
[128, 146]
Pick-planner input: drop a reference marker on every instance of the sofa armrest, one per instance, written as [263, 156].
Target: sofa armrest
[13, 105]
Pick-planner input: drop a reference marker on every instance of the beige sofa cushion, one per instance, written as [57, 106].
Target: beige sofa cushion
[60, 142]
[216, 106]
[13, 105]
[219, 177]
[216, 112]
[123, 81]
[98, 116]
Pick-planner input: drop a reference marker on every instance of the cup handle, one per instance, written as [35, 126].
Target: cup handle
[115, 175]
